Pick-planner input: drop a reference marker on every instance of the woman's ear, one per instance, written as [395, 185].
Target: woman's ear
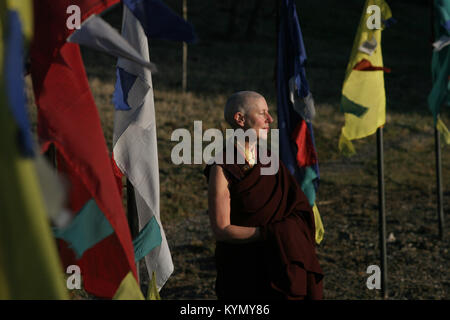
[239, 118]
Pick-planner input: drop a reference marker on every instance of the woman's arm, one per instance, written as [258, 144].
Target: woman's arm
[219, 211]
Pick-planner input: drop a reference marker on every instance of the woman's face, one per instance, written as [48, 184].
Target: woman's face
[258, 118]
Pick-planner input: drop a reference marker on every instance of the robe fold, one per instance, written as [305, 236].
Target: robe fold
[284, 264]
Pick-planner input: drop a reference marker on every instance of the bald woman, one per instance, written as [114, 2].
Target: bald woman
[263, 224]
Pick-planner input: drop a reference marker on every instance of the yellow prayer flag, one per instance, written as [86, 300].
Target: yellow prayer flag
[153, 293]
[29, 263]
[442, 128]
[128, 289]
[320, 231]
[363, 94]
[25, 10]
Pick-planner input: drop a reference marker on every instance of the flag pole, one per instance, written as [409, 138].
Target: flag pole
[132, 217]
[437, 147]
[185, 52]
[440, 207]
[382, 213]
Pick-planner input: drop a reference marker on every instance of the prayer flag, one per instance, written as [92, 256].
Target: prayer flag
[296, 108]
[29, 264]
[440, 65]
[98, 240]
[134, 140]
[18, 19]
[363, 96]
[99, 35]
[160, 22]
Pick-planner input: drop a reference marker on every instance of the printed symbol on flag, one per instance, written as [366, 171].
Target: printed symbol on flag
[441, 43]
[304, 107]
[368, 46]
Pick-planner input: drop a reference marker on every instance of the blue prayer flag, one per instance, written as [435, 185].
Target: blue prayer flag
[292, 87]
[296, 110]
[159, 21]
[14, 80]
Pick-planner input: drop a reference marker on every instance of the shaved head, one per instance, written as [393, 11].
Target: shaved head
[241, 101]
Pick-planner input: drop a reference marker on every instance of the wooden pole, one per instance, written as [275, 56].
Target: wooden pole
[185, 52]
[437, 148]
[440, 197]
[382, 213]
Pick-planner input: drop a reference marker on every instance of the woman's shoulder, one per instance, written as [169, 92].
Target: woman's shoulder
[232, 171]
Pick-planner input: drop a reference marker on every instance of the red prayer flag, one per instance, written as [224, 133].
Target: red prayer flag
[118, 175]
[306, 153]
[68, 118]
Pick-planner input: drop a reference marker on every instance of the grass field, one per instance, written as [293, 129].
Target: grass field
[418, 261]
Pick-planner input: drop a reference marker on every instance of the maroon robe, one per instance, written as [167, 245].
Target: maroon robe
[284, 264]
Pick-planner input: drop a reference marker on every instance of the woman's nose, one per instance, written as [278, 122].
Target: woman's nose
[269, 118]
